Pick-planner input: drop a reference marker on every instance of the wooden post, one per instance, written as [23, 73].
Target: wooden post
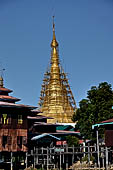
[37, 155]
[88, 154]
[98, 149]
[106, 158]
[42, 158]
[102, 155]
[11, 161]
[47, 157]
[26, 159]
[60, 160]
[67, 157]
[54, 156]
[34, 158]
[73, 156]
[63, 158]
[84, 148]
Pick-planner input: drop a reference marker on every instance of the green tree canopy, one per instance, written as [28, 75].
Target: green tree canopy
[72, 141]
[96, 108]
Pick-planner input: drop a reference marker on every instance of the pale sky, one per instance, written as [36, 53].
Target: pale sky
[84, 30]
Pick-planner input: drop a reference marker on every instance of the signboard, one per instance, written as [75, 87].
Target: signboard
[59, 150]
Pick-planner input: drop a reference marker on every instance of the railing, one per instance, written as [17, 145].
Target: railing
[64, 157]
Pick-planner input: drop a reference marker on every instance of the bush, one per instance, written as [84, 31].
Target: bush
[86, 158]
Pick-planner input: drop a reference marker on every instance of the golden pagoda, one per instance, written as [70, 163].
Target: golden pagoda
[56, 98]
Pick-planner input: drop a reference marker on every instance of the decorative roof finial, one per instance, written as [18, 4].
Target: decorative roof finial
[53, 24]
[54, 43]
[1, 82]
[1, 78]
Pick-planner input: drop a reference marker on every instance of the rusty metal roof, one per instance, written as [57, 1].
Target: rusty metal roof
[69, 132]
[43, 123]
[6, 104]
[36, 111]
[36, 117]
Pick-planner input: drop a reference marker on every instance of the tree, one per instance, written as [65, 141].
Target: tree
[72, 141]
[96, 108]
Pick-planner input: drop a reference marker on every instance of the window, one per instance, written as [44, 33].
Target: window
[4, 141]
[0, 119]
[9, 119]
[5, 120]
[9, 140]
[19, 141]
[20, 120]
[24, 141]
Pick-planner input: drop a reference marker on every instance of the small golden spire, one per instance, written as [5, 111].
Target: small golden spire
[1, 78]
[1, 82]
[53, 24]
[54, 43]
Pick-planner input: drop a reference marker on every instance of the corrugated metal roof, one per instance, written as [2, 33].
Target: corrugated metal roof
[107, 122]
[65, 127]
[62, 127]
[43, 135]
[37, 117]
[64, 124]
[43, 123]
[6, 104]
[68, 132]
[36, 111]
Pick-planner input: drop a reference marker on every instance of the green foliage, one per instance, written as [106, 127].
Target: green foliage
[92, 158]
[96, 108]
[72, 141]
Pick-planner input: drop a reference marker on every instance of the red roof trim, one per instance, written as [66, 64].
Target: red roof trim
[9, 97]
[5, 89]
[64, 131]
[107, 121]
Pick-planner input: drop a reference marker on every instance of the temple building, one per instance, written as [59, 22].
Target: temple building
[56, 98]
[13, 130]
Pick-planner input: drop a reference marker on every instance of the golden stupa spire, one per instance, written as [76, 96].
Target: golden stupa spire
[55, 70]
[56, 99]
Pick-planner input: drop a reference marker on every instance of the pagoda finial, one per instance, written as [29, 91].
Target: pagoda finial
[1, 78]
[54, 43]
[1, 82]
[53, 24]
